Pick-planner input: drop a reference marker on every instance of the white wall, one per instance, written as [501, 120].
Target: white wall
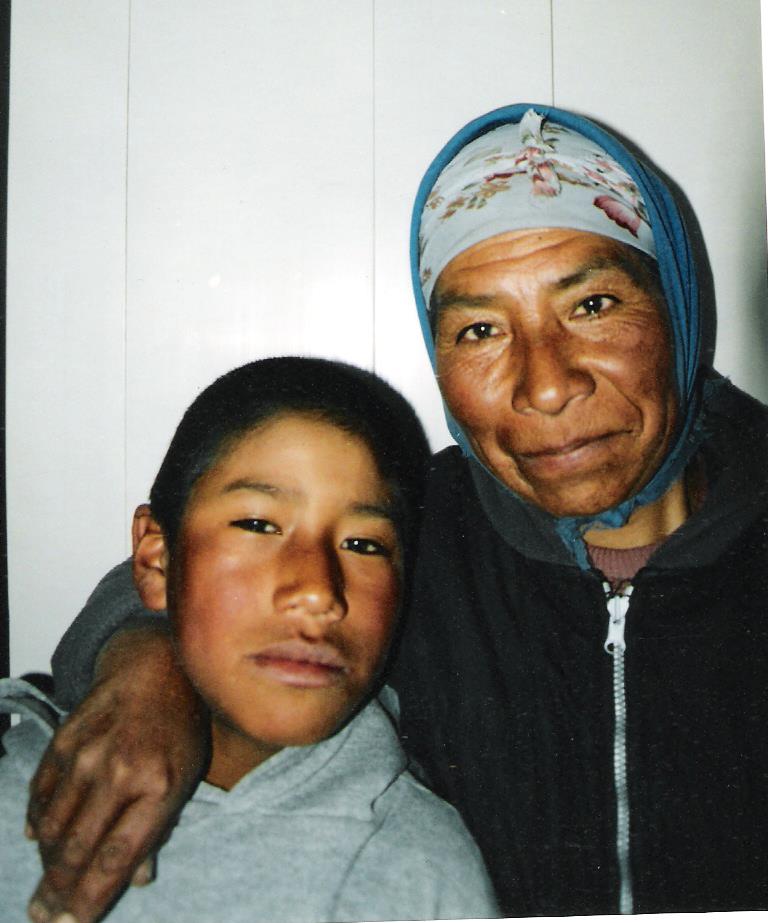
[196, 183]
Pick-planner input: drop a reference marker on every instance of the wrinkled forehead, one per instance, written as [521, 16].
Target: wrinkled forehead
[541, 261]
[534, 173]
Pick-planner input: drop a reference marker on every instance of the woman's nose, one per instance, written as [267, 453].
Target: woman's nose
[549, 377]
[311, 587]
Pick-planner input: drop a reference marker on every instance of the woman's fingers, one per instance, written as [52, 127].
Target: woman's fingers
[115, 778]
[84, 876]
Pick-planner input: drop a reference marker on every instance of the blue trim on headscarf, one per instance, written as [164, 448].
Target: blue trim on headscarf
[678, 278]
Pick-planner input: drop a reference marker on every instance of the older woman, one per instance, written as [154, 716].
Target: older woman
[584, 664]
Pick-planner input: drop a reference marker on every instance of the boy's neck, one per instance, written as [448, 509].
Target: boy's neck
[233, 755]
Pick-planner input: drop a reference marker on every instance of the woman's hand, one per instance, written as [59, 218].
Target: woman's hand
[115, 777]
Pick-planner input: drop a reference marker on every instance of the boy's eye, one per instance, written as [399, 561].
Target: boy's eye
[365, 546]
[263, 526]
[594, 305]
[479, 331]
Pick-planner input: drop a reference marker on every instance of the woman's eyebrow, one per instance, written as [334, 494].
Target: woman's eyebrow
[597, 264]
[450, 300]
[445, 301]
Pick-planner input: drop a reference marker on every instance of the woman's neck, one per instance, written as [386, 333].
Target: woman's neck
[647, 524]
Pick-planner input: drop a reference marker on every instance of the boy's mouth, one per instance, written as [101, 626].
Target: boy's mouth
[300, 663]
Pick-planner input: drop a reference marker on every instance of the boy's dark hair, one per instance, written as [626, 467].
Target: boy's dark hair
[352, 399]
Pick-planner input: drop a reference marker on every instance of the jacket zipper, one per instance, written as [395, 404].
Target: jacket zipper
[618, 603]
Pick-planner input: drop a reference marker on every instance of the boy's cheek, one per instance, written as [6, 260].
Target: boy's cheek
[371, 648]
[216, 591]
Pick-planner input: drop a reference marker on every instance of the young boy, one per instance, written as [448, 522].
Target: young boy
[278, 537]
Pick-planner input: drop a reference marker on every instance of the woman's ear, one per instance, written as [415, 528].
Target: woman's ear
[150, 559]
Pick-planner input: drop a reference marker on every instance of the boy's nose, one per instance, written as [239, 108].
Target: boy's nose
[312, 588]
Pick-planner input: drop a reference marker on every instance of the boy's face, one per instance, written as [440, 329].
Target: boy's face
[284, 588]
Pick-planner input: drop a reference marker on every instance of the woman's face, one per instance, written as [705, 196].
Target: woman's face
[284, 588]
[553, 355]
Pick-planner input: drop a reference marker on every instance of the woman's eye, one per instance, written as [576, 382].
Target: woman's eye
[262, 526]
[479, 331]
[594, 305]
[365, 546]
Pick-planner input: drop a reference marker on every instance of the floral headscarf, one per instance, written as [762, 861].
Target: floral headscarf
[530, 174]
[499, 173]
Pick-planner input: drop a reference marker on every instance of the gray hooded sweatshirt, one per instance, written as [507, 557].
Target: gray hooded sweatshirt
[330, 832]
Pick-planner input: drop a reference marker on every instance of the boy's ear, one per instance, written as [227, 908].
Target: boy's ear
[150, 559]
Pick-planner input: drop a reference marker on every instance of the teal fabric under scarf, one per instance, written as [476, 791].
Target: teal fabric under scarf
[678, 278]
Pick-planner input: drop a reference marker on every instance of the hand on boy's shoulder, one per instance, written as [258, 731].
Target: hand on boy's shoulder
[111, 784]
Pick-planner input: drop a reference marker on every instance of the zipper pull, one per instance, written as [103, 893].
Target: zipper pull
[618, 604]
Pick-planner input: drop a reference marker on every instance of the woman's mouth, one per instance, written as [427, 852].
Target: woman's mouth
[558, 460]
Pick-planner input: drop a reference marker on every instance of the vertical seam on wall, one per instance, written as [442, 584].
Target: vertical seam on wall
[373, 185]
[125, 275]
[552, 52]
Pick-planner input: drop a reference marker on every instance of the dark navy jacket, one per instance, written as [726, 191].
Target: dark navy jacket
[508, 702]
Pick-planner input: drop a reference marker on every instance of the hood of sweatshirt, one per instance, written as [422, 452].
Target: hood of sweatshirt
[341, 776]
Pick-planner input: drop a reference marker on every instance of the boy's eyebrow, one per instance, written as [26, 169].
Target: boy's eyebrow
[379, 510]
[259, 487]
